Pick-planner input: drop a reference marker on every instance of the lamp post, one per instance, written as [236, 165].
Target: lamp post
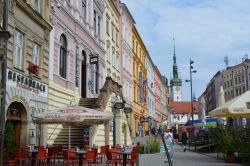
[115, 107]
[190, 80]
[4, 36]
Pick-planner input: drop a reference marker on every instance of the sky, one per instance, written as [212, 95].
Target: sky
[205, 31]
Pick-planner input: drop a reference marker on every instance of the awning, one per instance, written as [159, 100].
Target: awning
[73, 115]
[238, 107]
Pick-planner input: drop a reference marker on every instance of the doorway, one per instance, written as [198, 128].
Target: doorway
[84, 75]
[16, 115]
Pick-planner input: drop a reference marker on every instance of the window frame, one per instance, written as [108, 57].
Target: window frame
[36, 55]
[37, 5]
[84, 9]
[63, 57]
[17, 59]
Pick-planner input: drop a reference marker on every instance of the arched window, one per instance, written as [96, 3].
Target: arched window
[63, 56]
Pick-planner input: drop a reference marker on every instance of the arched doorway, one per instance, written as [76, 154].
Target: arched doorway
[16, 114]
[84, 76]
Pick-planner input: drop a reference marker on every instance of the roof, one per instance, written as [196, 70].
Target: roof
[182, 107]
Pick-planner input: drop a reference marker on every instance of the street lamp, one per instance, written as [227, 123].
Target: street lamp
[190, 80]
[116, 106]
[4, 36]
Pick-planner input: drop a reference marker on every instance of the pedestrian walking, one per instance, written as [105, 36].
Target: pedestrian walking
[168, 137]
[184, 138]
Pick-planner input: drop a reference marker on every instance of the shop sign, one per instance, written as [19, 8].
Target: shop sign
[72, 110]
[119, 105]
[140, 86]
[94, 60]
[143, 119]
[145, 82]
[18, 80]
[127, 110]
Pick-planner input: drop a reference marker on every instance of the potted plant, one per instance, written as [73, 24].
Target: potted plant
[9, 145]
[225, 144]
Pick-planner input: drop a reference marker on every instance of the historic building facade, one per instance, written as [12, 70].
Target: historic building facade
[27, 69]
[77, 61]
[112, 41]
[164, 95]
[140, 108]
[233, 80]
[157, 88]
[151, 92]
[126, 24]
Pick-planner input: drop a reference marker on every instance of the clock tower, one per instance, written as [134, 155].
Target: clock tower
[175, 82]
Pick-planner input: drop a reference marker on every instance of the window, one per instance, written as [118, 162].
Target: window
[113, 56]
[117, 60]
[18, 49]
[95, 29]
[36, 50]
[84, 9]
[116, 38]
[63, 56]
[108, 53]
[123, 58]
[112, 33]
[99, 26]
[107, 26]
[76, 66]
[96, 78]
[37, 6]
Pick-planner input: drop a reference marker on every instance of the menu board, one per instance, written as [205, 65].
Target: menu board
[85, 136]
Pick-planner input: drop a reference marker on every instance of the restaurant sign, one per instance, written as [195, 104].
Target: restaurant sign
[18, 80]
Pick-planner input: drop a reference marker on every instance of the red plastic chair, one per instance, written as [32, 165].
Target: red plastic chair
[21, 155]
[52, 154]
[112, 157]
[90, 157]
[103, 151]
[86, 147]
[132, 158]
[41, 157]
[69, 156]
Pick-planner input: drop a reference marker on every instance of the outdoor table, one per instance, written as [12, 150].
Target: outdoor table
[80, 155]
[33, 156]
[124, 154]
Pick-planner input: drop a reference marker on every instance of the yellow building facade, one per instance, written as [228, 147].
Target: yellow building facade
[140, 109]
[27, 69]
[112, 41]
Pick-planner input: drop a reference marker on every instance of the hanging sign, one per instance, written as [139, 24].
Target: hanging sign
[93, 60]
[141, 87]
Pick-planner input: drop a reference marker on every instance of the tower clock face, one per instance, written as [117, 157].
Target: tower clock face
[177, 88]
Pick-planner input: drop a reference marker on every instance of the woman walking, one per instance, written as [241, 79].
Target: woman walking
[184, 138]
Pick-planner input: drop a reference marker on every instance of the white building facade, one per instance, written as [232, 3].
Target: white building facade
[150, 92]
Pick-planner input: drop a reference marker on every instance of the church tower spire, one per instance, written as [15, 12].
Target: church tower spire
[175, 82]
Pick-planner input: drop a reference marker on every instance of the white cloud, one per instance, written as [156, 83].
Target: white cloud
[205, 31]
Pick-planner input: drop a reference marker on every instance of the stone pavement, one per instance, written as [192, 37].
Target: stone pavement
[190, 158]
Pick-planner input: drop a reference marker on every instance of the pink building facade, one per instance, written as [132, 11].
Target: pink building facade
[157, 92]
[76, 37]
[126, 24]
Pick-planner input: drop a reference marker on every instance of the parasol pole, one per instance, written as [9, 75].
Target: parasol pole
[69, 136]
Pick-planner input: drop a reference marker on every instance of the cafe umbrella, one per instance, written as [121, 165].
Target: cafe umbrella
[238, 107]
[73, 115]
